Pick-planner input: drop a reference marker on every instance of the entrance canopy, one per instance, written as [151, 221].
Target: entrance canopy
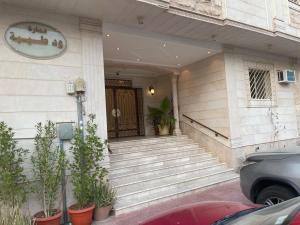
[156, 18]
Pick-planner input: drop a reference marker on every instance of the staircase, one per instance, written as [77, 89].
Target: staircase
[151, 170]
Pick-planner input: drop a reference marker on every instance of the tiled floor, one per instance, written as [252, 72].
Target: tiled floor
[224, 192]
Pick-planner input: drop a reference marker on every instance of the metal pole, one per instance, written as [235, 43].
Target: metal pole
[80, 114]
[63, 188]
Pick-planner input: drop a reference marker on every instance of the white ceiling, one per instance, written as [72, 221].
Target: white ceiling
[157, 20]
[152, 49]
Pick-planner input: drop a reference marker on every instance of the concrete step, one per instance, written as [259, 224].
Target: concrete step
[148, 148]
[155, 157]
[161, 171]
[165, 162]
[165, 180]
[150, 168]
[147, 141]
[136, 200]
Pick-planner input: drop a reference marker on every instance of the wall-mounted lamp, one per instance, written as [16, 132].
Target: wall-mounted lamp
[151, 90]
[80, 86]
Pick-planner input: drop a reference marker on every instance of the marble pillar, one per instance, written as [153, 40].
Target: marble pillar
[93, 72]
[174, 78]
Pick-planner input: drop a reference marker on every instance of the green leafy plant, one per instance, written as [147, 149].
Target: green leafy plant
[162, 116]
[12, 178]
[10, 215]
[85, 167]
[104, 195]
[48, 162]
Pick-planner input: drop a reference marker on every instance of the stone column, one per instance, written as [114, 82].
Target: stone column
[174, 78]
[93, 72]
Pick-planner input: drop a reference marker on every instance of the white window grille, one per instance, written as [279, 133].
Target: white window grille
[260, 84]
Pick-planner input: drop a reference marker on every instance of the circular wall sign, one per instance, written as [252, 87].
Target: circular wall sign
[35, 40]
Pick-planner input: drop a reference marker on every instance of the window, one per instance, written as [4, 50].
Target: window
[260, 84]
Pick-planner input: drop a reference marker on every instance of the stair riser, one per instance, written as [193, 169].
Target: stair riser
[138, 147]
[123, 190]
[164, 158]
[120, 211]
[149, 149]
[173, 162]
[158, 173]
[155, 141]
[172, 190]
[151, 158]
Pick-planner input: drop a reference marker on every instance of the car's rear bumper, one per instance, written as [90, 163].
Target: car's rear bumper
[245, 182]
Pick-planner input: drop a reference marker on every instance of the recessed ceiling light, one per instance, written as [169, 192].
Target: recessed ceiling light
[176, 56]
[208, 52]
[107, 35]
[138, 60]
[178, 64]
[118, 49]
[165, 45]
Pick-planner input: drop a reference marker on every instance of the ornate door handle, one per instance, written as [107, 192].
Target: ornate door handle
[118, 113]
[114, 113]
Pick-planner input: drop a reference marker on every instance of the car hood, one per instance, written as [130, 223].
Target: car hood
[204, 213]
[256, 157]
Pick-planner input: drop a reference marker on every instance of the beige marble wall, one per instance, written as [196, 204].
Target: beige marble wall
[252, 125]
[203, 95]
[33, 91]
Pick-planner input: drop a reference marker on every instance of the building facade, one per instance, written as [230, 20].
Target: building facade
[218, 60]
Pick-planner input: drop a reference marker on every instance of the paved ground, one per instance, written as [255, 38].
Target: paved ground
[224, 192]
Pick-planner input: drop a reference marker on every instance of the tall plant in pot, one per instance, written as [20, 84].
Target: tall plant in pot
[13, 215]
[48, 162]
[85, 171]
[104, 198]
[162, 117]
[12, 178]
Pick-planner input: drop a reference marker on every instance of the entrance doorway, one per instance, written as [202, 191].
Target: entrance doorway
[124, 107]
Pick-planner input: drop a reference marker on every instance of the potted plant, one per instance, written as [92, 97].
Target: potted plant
[48, 162]
[12, 178]
[104, 198]
[162, 117]
[85, 171]
[13, 215]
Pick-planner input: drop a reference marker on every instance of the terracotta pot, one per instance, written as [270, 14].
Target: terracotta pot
[81, 216]
[163, 131]
[102, 213]
[39, 219]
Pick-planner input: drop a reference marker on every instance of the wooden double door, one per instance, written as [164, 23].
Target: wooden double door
[124, 112]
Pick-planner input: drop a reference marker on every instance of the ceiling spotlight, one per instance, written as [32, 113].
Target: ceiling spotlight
[178, 64]
[208, 52]
[138, 60]
[118, 49]
[165, 45]
[176, 56]
[107, 35]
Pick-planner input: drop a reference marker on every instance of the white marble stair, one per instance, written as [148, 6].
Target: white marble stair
[150, 170]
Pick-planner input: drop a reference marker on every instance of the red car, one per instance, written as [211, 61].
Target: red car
[231, 213]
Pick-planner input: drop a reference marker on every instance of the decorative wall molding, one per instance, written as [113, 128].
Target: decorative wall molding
[295, 1]
[92, 25]
[212, 8]
[207, 7]
[295, 18]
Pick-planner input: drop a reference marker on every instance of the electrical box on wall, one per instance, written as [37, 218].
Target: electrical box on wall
[286, 76]
[70, 87]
